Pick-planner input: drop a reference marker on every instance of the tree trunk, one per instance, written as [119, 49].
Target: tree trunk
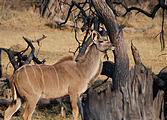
[132, 95]
[116, 36]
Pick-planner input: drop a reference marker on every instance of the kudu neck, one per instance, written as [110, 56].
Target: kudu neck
[91, 59]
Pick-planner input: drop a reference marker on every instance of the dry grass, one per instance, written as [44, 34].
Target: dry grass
[57, 44]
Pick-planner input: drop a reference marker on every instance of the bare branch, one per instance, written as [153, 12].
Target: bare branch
[84, 47]
[37, 61]
[30, 56]
[68, 15]
[151, 14]
[17, 59]
[80, 8]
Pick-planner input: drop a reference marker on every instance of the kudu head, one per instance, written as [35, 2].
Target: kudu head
[102, 43]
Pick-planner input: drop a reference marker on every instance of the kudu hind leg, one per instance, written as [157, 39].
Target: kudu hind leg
[29, 108]
[12, 109]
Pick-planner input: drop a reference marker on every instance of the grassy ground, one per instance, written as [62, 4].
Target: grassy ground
[140, 29]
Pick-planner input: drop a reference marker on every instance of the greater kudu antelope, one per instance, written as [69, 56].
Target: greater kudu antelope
[65, 77]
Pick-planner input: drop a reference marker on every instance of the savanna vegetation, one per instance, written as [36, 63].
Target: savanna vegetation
[20, 18]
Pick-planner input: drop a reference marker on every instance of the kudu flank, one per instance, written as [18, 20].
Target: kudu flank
[65, 77]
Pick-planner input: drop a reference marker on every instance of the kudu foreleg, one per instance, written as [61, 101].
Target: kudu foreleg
[12, 109]
[75, 110]
[80, 98]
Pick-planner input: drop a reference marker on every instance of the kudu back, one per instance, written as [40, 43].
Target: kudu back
[65, 77]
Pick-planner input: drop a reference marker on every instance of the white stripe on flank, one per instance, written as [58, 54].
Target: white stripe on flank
[34, 72]
[56, 76]
[42, 76]
[28, 79]
[15, 95]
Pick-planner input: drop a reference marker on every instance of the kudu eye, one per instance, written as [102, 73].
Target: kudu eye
[100, 41]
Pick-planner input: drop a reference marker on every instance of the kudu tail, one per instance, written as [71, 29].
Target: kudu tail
[13, 90]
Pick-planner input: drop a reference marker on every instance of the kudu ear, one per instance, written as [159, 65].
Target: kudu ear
[95, 36]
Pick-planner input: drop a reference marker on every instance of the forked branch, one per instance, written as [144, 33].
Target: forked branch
[18, 59]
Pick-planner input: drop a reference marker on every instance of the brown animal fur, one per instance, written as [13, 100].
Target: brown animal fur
[65, 77]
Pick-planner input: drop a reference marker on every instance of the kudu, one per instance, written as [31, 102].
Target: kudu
[65, 77]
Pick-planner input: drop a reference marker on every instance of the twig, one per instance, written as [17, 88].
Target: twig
[74, 51]
[76, 38]
[68, 15]
[162, 40]
[40, 39]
